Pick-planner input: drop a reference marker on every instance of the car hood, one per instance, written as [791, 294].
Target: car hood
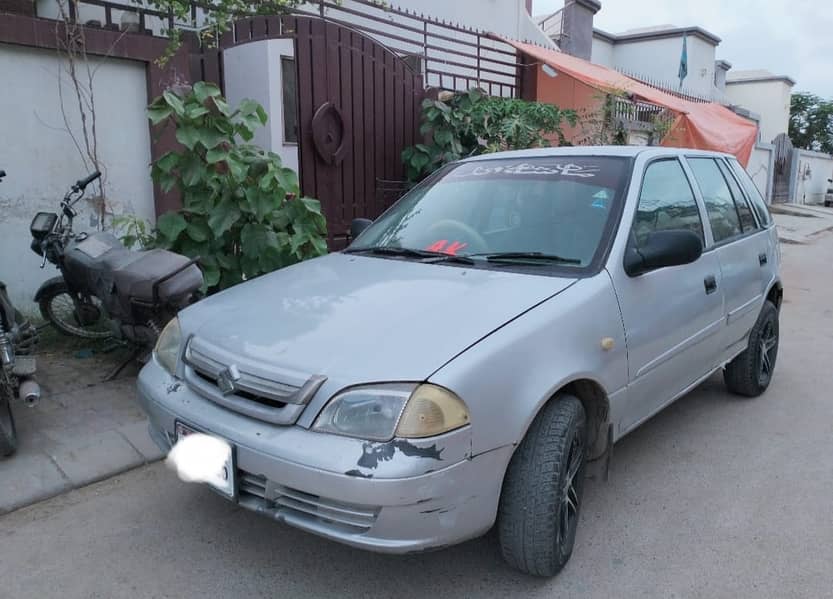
[365, 319]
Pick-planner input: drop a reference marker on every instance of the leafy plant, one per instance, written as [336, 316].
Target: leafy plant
[135, 232]
[215, 18]
[468, 123]
[599, 125]
[811, 122]
[241, 212]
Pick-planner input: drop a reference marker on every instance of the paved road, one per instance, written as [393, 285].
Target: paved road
[716, 497]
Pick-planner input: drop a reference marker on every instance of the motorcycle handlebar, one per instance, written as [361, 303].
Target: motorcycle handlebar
[82, 183]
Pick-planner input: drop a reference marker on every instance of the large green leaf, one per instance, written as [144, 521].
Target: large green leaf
[247, 107]
[188, 136]
[204, 90]
[223, 217]
[157, 114]
[171, 224]
[237, 168]
[210, 138]
[167, 162]
[216, 155]
[228, 261]
[166, 181]
[195, 112]
[265, 203]
[175, 102]
[192, 170]
[198, 230]
[211, 275]
[288, 179]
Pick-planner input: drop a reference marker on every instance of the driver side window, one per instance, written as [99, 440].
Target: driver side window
[666, 202]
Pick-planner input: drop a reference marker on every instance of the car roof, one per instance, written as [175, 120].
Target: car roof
[626, 151]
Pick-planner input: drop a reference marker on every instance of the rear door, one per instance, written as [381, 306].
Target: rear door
[672, 316]
[740, 245]
[770, 266]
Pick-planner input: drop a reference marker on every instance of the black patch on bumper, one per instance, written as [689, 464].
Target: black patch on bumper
[373, 453]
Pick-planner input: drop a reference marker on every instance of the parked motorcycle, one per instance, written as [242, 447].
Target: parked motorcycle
[17, 368]
[105, 289]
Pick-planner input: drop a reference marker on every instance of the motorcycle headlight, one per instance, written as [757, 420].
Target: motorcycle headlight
[167, 347]
[381, 412]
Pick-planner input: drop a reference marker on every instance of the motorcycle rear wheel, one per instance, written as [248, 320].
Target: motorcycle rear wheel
[58, 307]
[8, 433]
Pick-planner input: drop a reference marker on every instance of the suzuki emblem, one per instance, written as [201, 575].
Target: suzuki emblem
[227, 378]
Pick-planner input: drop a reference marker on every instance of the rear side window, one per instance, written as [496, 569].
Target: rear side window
[720, 205]
[666, 201]
[747, 219]
[755, 197]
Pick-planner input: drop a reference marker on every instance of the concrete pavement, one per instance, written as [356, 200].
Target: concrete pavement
[82, 431]
[717, 496]
[799, 223]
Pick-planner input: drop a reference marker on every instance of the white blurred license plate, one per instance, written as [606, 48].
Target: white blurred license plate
[225, 482]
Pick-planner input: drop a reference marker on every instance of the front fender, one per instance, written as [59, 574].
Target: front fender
[507, 377]
[49, 287]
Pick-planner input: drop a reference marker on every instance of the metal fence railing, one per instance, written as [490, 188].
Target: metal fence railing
[449, 55]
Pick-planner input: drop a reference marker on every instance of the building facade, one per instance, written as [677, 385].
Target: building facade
[766, 95]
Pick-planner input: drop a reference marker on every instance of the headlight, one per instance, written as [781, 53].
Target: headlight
[166, 351]
[381, 412]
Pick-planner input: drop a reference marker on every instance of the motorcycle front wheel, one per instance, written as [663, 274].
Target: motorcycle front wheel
[8, 433]
[87, 320]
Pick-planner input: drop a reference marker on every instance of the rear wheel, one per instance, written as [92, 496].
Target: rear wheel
[541, 497]
[8, 433]
[750, 372]
[85, 319]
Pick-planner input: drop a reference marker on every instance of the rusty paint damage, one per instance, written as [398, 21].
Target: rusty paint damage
[373, 453]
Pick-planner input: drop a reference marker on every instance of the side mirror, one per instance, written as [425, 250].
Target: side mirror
[662, 249]
[358, 225]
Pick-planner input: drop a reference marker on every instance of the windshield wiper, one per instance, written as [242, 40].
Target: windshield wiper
[389, 250]
[532, 257]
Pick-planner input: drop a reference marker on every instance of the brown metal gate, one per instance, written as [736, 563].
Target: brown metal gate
[358, 108]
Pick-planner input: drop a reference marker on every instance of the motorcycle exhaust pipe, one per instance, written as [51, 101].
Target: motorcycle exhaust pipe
[29, 393]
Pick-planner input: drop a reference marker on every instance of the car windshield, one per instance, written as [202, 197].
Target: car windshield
[506, 210]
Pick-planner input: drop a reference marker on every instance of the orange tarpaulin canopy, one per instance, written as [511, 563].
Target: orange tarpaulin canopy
[705, 126]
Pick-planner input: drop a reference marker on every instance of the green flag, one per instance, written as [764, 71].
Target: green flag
[683, 72]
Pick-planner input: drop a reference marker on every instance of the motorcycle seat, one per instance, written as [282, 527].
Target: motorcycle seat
[135, 278]
[133, 273]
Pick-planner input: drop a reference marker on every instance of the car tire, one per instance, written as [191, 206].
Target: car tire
[541, 498]
[750, 373]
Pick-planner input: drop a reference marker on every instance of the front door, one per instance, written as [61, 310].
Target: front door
[672, 316]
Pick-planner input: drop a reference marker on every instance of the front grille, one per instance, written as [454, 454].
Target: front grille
[300, 508]
[242, 393]
[259, 391]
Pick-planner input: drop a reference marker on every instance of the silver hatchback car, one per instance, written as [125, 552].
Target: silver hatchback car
[474, 348]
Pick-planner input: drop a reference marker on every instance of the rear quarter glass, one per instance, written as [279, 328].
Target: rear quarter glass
[755, 197]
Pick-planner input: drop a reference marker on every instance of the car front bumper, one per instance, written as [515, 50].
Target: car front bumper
[396, 497]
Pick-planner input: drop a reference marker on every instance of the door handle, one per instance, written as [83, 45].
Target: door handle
[762, 259]
[710, 284]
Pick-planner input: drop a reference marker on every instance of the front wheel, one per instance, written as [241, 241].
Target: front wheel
[541, 497]
[8, 433]
[86, 319]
